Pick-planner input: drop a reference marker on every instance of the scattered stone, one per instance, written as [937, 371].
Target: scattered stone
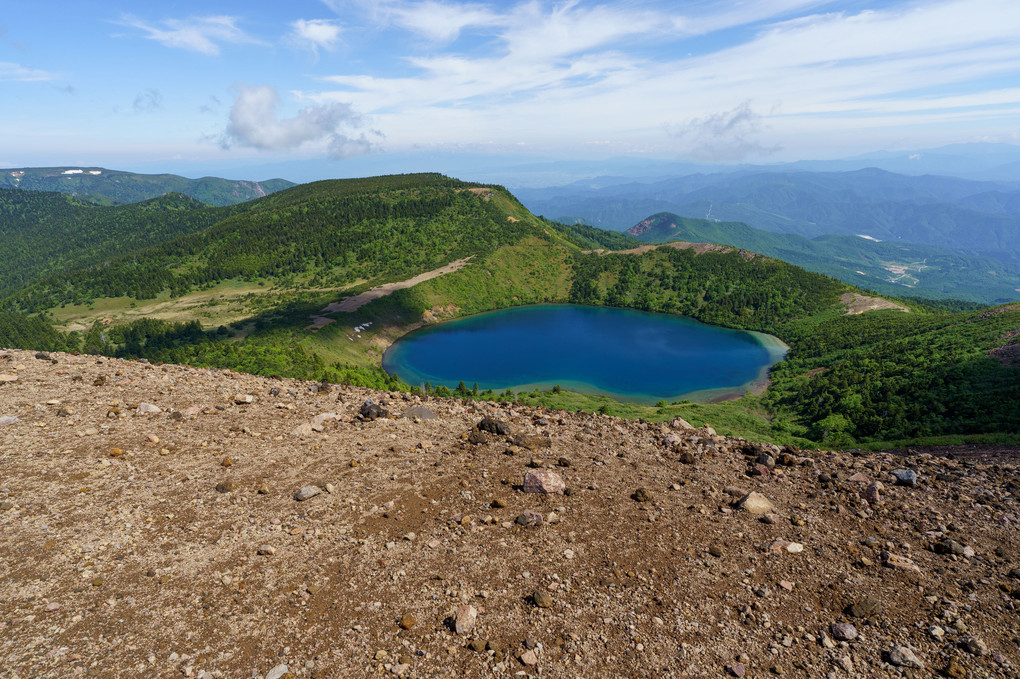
[407, 621]
[494, 426]
[8, 420]
[867, 607]
[843, 631]
[6, 378]
[277, 672]
[464, 619]
[542, 598]
[737, 670]
[148, 409]
[974, 646]
[529, 518]
[419, 413]
[370, 410]
[949, 546]
[116, 452]
[529, 658]
[307, 492]
[227, 462]
[642, 495]
[225, 487]
[754, 503]
[543, 481]
[873, 493]
[955, 670]
[905, 477]
[53, 606]
[477, 645]
[901, 656]
[243, 399]
[716, 551]
[890, 560]
[318, 422]
[266, 550]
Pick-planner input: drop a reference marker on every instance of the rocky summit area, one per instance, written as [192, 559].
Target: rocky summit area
[167, 521]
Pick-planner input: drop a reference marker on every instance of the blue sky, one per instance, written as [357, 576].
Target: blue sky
[213, 83]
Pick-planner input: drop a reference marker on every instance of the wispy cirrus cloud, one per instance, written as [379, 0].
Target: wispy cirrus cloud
[536, 71]
[255, 122]
[204, 35]
[16, 72]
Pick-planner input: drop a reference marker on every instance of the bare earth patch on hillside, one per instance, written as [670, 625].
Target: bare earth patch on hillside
[857, 303]
[357, 301]
[170, 543]
[699, 248]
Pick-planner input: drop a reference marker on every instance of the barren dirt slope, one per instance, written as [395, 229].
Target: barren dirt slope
[120, 557]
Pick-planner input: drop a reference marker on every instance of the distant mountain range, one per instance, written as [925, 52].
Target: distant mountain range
[890, 268]
[114, 187]
[977, 216]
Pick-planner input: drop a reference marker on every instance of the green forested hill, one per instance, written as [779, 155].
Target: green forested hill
[277, 261]
[113, 187]
[48, 233]
[890, 268]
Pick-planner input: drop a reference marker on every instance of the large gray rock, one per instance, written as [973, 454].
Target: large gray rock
[494, 426]
[464, 619]
[905, 477]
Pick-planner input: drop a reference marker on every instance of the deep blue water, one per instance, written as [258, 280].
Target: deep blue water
[630, 355]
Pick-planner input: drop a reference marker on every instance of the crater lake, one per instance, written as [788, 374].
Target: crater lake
[622, 353]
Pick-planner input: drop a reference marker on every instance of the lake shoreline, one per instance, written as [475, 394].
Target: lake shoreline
[667, 347]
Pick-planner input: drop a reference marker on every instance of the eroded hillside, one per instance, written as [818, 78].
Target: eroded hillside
[150, 526]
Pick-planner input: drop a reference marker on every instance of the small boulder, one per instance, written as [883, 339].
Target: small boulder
[243, 399]
[642, 495]
[494, 426]
[419, 413]
[543, 481]
[843, 631]
[148, 409]
[307, 492]
[464, 619]
[370, 410]
[901, 656]
[905, 477]
[542, 598]
[754, 503]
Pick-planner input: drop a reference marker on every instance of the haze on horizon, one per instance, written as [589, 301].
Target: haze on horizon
[193, 85]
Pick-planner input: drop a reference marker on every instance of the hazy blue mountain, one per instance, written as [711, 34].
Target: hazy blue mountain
[115, 187]
[928, 209]
[898, 269]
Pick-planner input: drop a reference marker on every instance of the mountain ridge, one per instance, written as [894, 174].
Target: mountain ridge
[112, 187]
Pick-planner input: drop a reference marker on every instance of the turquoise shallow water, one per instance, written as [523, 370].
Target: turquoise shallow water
[629, 355]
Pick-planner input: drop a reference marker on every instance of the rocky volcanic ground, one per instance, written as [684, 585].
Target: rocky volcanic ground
[151, 526]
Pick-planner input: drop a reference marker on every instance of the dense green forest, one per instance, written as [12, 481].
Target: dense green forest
[50, 233]
[722, 288]
[848, 380]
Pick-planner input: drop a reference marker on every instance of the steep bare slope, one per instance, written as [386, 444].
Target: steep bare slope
[149, 527]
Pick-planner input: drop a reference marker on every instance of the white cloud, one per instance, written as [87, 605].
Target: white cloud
[16, 72]
[314, 34]
[572, 73]
[255, 122]
[197, 34]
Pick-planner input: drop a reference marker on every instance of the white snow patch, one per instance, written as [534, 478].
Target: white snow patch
[862, 273]
[72, 171]
[18, 174]
[95, 172]
[867, 237]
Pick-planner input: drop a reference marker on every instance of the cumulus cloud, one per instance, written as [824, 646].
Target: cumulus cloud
[16, 72]
[149, 100]
[314, 34]
[724, 136]
[197, 34]
[255, 122]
